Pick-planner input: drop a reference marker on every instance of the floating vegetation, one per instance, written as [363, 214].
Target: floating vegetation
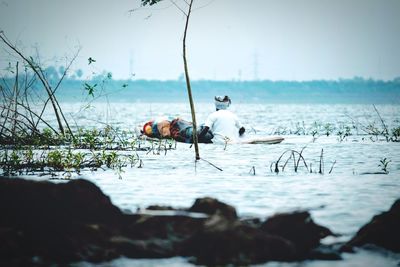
[31, 144]
[89, 149]
[370, 131]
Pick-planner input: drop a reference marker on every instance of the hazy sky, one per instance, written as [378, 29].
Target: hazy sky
[227, 39]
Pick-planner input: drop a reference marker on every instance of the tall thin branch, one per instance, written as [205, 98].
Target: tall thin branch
[32, 113]
[55, 90]
[15, 114]
[203, 6]
[385, 128]
[183, 11]
[189, 89]
[42, 78]
[321, 162]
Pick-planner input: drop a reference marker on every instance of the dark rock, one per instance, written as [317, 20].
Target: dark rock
[299, 228]
[157, 207]
[46, 223]
[383, 230]
[56, 222]
[212, 206]
[46, 202]
[148, 248]
[62, 223]
[324, 252]
[223, 241]
[147, 236]
[175, 228]
[254, 222]
[347, 248]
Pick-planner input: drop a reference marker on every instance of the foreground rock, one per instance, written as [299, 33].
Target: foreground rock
[383, 230]
[43, 223]
[223, 241]
[299, 228]
[46, 223]
[212, 206]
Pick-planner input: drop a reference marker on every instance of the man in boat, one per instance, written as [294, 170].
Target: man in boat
[223, 123]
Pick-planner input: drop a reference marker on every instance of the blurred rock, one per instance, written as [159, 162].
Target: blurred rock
[299, 228]
[55, 222]
[212, 206]
[43, 223]
[223, 241]
[325, 252]
[383, 230]
[157, 207]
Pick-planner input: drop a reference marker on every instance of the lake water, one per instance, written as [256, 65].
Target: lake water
[342, 200]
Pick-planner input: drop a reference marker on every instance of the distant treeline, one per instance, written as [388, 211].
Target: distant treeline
[356, 90]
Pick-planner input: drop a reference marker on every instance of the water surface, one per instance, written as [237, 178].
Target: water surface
[342, 200]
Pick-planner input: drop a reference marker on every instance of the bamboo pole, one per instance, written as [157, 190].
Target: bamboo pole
[189, 89]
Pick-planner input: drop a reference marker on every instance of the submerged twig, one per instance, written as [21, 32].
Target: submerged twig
[321, 162]
[385, 129]
[253, 169]
[333, 164]
[218, 168]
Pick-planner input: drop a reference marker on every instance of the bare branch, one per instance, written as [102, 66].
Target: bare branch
[385, 129]
[203, 6]
[178, 7]
[41, 76]
[36, 115]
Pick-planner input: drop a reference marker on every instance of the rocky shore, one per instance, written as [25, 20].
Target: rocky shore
[43, 223]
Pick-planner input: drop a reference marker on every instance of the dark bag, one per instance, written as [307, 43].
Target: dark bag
[182, 131]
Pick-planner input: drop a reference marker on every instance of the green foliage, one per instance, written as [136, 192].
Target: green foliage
[328, 129]
[29, 154]
[90, 138]
[14, 158]
[384, 163]
[106, 148]
[396, 134]
[46, 137]
[91, 60]
[343, 132]
[55, 159]
[150, 2]
[90, 88]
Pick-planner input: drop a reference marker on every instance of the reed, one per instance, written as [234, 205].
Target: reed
[299, 161]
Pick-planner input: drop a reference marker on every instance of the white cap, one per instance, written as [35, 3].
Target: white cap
[222, 102]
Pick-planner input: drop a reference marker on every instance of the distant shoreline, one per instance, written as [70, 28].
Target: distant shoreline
[342, 91]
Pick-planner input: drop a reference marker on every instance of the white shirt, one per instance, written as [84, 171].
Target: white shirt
[224, 125]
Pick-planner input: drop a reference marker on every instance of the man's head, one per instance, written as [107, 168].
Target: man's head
[222, 102]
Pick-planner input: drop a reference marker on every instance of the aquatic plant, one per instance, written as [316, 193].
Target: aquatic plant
[106, 148]
[328, 127]
[292, 155]
[253, 170]
[395, 134]
[375, 132]
[343, 132]
[384, 163]
[297, 157]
